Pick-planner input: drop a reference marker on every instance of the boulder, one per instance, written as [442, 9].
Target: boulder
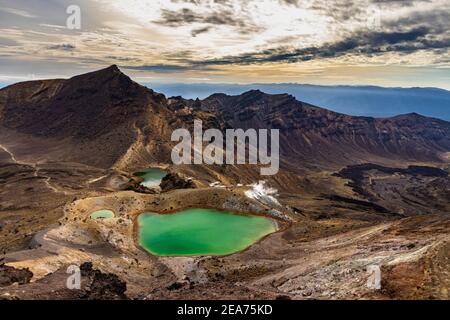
[173, 181]
[10, 275]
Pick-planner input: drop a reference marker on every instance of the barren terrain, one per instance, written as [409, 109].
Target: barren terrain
[353, 192]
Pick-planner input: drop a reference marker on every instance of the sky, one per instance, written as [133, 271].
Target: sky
[401, 43]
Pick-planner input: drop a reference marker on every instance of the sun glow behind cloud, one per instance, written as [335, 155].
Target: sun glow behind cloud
[264, 23]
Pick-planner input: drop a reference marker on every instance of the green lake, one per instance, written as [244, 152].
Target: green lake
[102, 214]
[152, 177]
[196, 232]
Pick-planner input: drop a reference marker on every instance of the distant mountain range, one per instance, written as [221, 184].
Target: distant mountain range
[353, 100]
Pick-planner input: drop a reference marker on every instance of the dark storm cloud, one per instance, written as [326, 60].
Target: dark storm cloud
[289, 2]
[438, 21]
[344, 10]
[341, 10]
[167, 68]
[204, 2]
[63, 47]
[187, 16]
[158, 68]
[399, 3]
[196, 32]
[360, 43]
[117, 58]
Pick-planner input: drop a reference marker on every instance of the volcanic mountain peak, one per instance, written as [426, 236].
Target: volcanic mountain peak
[254, 93]
[413, 116]
[82, 106]
[251, 103]
[102, 74]
[113, 68]
[107, 78]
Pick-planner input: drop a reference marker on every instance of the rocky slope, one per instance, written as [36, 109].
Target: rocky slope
[101, 118]
[314, 135]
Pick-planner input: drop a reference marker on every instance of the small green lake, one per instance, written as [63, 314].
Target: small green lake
[196, 232]
[102, 214]
[152, 177]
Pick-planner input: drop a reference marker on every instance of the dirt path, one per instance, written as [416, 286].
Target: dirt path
[35, 168]
[10, 154]
[96, 179]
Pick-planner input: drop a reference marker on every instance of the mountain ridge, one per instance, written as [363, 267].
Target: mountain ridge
[106, 113]
[353, 100]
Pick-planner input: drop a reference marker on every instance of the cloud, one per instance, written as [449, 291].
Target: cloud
[289, 2]
[186, 16]
[53, 26]
[62, 47]
[8, 42]
[223, 39]
[117, 58]
[17, 12]
[170, 68]
[158, 68]
[438, 21]
[196, 32]
[359, 43]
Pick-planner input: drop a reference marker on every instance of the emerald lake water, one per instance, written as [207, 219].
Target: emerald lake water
[196, 232]
[152, 177]
[102, 214]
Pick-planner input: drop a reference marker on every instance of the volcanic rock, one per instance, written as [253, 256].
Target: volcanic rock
[10, 275]
[173, 181]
